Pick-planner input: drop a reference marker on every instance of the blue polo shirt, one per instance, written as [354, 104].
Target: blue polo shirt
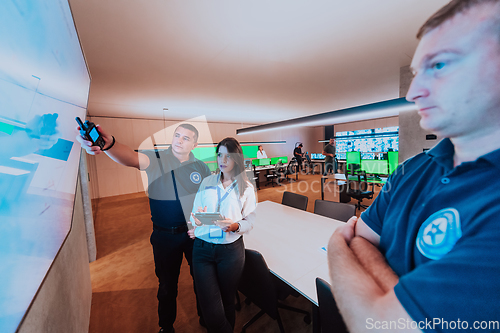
[439, 230]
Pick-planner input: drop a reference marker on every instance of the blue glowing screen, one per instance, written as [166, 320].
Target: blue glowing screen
[44, 84]
[94, 135]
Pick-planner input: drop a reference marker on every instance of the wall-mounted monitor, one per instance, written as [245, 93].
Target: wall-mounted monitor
[317, 156]
[206, 154]
[367, 141]
[250, 151]
[44, 85]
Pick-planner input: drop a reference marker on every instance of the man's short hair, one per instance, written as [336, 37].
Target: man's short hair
[191, 128]
[449, 11]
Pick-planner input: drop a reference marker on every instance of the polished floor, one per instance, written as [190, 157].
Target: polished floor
[124, 284]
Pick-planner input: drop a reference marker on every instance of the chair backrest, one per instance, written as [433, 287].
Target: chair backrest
[329, 316]
[257, 285]
[360, 184]
[335, 210]
[308, 158]
[294, 200]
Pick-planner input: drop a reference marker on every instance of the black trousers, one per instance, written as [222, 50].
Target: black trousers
[217, 271]
[168, 250]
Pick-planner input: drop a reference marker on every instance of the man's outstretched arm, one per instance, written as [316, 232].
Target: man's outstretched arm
[362, 298]
[119, 153]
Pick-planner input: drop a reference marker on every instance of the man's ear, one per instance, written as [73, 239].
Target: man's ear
[195, 145]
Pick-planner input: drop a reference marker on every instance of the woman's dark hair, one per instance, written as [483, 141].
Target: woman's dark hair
[233, 147]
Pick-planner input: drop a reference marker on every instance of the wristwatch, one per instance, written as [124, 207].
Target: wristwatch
[238, 227]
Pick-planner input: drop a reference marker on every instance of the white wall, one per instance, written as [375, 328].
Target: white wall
[108, 178]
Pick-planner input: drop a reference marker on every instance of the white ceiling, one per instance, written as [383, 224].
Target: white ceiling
[244, 61]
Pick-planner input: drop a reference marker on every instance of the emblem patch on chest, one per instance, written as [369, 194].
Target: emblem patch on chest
[195, 177]
[439, 233]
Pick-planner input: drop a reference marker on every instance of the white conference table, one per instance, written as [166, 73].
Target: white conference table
[291, 241]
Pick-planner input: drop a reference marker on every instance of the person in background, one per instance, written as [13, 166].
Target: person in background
[425, 255]
[297, 153]
[219, 252]
[330, 160]
[261, 153]
[174, 176]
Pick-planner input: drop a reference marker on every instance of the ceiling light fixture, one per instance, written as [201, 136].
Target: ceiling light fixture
[369, 111]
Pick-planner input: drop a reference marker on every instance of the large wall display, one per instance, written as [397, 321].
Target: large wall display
[369, 142]
[44, 85]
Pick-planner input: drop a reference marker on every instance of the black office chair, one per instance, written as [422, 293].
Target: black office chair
[277, 174]
[294, 200]
[335, 210]
[357, 185]
[310, 164]
[257, 285]
[291, 168]
[330, 320]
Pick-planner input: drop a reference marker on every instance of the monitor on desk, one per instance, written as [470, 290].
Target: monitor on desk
[264, 161]
[255, 162]
[353, 157]
[284, 159]
[375, 167]
[393, 159]
[275, 160]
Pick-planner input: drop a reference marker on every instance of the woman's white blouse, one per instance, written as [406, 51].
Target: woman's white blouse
[261, 154]
[239, 209]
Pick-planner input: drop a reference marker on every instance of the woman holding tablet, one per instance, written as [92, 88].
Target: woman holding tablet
[219, 252]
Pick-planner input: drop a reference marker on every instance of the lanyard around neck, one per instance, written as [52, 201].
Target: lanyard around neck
[219, 199]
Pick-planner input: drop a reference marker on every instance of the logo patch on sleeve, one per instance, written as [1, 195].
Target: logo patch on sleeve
[195, 177]
[439, 233]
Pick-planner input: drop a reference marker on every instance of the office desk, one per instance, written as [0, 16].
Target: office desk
[291, 240]
[339, 179]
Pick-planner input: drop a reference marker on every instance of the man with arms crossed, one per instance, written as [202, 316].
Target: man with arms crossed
[174, 176]
[436, 223]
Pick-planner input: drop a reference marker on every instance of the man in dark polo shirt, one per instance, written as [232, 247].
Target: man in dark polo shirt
[425, 255]
[330, 162]
[297, 153]
[174, 176]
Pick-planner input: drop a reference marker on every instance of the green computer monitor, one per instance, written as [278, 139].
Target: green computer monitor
[284, 159]
[264, 161]
[206, 154]
[250, 151]
[212, 166]
[375, 167]
[275, 160]
[353, 157]
[255, 161]
[393, 158]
